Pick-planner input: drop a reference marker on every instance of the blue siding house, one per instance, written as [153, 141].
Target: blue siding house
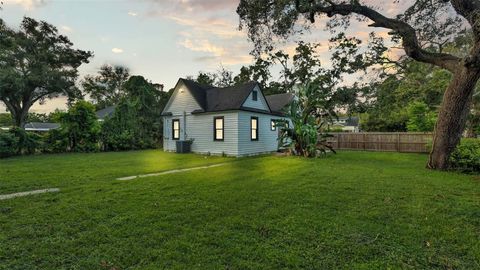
[235, 121]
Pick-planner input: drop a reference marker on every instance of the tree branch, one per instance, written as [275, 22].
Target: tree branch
[470, 10]
[409, 38]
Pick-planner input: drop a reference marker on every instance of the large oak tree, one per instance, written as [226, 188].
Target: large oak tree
[36, 63]
[422, 29]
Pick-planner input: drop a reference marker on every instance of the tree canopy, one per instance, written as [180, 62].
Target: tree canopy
[421, 30]
[135, 123]
[36, 63]
[81, 127]
[106, 88]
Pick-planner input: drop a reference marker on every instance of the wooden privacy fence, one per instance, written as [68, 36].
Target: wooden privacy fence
[410, 142]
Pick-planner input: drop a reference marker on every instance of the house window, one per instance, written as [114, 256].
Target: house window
[218, 128]
[254, 95]
[273, 125]
[254, 128]
[175, 129]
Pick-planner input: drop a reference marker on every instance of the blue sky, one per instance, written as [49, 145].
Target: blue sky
[157, 39]
[161, 40]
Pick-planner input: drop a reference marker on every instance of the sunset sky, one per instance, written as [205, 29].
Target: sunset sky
[161, 40]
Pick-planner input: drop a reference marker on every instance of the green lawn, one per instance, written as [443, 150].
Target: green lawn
[353, 210]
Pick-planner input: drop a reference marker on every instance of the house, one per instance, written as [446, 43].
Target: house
[105, 112]
[40, 127]
[347, 124]
[36, 127]
[235, 121]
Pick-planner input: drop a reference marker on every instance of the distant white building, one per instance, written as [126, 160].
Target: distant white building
[235, 121]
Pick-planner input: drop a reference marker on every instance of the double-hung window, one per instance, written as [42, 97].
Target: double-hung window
[175, 129]
[254, 128]
[218, 128]
[254, 95]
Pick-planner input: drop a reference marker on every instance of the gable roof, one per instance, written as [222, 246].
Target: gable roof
[229, 98]
[198, 91]
[214, 99]
[279, 101]
[105, 112]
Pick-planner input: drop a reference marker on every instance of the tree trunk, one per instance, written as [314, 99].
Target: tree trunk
[452, 116]
[20, 117]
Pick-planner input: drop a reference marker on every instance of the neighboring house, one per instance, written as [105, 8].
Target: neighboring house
[104, 113]
[40, 127]
[235, 121]
[37, 127]
[347, 124]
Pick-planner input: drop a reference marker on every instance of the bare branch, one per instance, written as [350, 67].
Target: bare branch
[409, 38]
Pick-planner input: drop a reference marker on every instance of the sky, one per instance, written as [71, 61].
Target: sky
[161, 40]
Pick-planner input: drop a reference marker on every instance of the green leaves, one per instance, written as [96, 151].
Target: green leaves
[36, 63]
[107, 88]
[420, 118]
[466, 156]
[136, 122]
[81, 127]
[305, 137]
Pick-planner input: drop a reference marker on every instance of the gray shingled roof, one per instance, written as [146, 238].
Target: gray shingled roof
[352, 121]
[38, 126]
[279, 101]
[213, 99]
[198, 92]
[229, 98]
[106, 112]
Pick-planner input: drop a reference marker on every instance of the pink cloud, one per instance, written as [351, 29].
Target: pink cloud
[198, 5]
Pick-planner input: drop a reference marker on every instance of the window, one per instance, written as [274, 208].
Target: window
[218, 128]
[273, 125]
[254, 128]
[175, 129]
[254, 95]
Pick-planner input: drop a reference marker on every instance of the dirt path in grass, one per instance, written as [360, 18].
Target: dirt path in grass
[169, 172]
[28, 193]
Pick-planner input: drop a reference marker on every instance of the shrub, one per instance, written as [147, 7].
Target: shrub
[466, 157]
[134, 124]
[335, 130]
[56, 141]
[8, 144]
[18, 141]
[81, 127]
[27, 142]
[122, 140]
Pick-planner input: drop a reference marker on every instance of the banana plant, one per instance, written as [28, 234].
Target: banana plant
[306, 136]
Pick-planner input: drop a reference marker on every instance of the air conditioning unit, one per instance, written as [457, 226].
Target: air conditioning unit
[184, 146]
